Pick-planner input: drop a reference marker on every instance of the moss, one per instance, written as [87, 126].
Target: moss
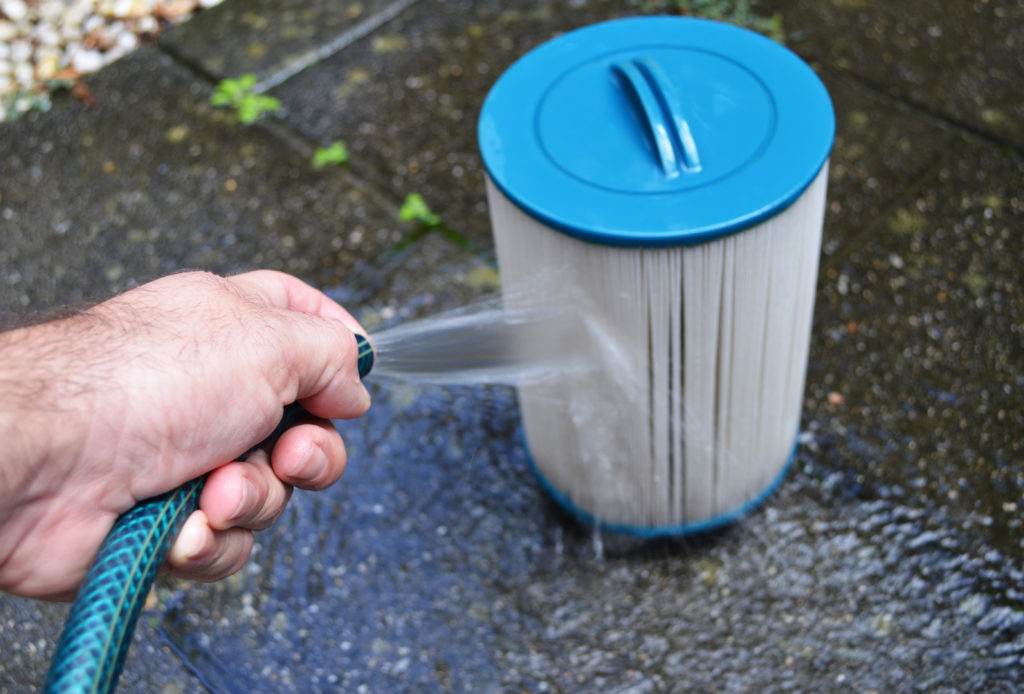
[907, 222]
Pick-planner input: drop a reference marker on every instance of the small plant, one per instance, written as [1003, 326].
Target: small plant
[415, 209]
[238, 94]
[333, 155]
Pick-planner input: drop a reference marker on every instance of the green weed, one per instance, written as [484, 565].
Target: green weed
[415, 209]
[237, 94]
[333, 155]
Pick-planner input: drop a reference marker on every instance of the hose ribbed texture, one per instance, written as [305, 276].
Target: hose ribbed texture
[99, 629]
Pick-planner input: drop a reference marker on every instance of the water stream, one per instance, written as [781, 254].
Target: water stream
[484, 343]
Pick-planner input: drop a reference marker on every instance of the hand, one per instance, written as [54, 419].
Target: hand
[168, 381]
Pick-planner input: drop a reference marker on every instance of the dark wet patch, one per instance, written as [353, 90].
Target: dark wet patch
[918, 343]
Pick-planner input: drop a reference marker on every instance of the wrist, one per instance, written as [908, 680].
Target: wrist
[40, 407]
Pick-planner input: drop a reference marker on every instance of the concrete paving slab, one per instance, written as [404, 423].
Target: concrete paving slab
[958, 60]
[882, 150]
[889, 560]
[153, 179]
[406, 100]
[274, 39]
[917, 369]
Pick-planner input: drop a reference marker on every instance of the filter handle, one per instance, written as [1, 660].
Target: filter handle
[654, 96]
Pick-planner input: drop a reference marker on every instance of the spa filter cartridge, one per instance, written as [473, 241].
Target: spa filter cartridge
[667, 177]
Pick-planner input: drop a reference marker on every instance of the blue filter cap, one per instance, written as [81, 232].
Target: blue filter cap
[656, 131]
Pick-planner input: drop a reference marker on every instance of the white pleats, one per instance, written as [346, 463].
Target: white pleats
[700, 355]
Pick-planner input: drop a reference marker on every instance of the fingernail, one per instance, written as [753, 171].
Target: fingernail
[248, 494]
[192, 541]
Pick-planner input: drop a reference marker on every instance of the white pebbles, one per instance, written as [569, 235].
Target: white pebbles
[43, 41]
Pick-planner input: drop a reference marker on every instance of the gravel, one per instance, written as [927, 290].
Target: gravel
[48, 44]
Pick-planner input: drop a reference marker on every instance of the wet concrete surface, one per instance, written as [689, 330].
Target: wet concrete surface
[448, 55]
[891, 558]
[957, 61]
[90, 209]
[274, 39]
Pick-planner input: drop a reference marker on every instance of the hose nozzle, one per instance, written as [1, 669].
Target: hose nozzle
[364, 355]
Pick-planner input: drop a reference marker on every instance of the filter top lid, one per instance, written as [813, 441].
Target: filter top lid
[656, 130]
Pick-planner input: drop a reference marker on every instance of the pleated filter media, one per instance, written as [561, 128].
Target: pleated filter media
[665, 179]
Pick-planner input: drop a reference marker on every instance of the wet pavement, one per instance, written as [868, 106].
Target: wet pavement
[891, 559]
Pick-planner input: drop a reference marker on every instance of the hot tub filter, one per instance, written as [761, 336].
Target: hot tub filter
[668, 175]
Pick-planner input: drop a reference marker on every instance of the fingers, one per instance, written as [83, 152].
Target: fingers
[245, 494]
[202, 554]
[310, 455]
[251, 495]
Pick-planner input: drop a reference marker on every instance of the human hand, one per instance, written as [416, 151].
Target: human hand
[157, 386]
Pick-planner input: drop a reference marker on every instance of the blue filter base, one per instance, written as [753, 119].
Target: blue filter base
[657, 532]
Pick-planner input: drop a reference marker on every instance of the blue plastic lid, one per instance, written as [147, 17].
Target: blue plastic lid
[656, 131]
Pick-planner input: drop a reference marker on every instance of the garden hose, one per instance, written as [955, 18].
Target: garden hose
[92, 648]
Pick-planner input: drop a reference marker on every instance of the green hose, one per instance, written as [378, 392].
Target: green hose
[92, 648]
